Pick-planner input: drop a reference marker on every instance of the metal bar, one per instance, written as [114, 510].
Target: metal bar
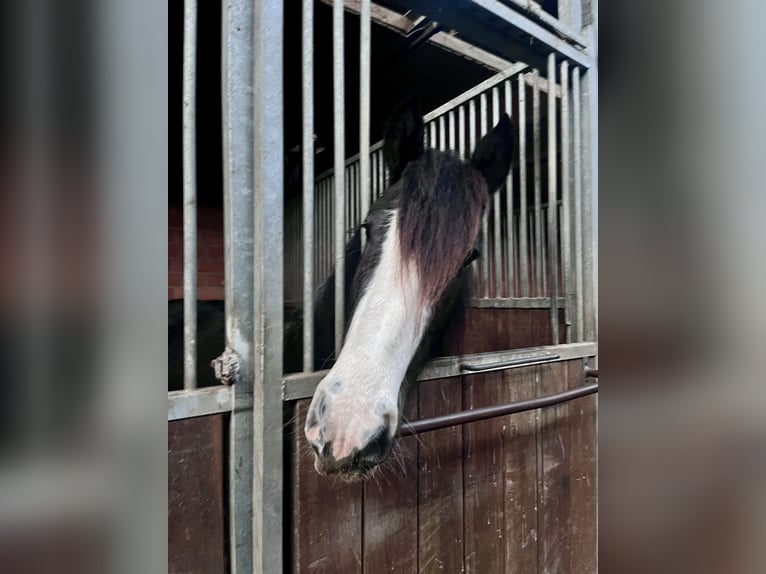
[497, 227]
[591, 373]
[190, 193]
[553, 280]
[512, 303]
[549, 39]
[465, 417]
[340, 151]
[364, 108]
[302, 385]
[485, 261]
[538, 241]
[432, 135]
[308, 184]
[523, 232]
[210, 401]
[451, 125]
[238, 157]
[510, 244]
[268, 299]
[509, 363]
[461, 132]
[590, 203]
[566, 218]
[578, 240]
[477, 263]
[442, 135]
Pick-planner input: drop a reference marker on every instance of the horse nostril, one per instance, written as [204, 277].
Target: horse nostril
[377, 448]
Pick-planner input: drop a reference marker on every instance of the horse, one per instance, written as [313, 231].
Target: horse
[413, 273]
[402, 290]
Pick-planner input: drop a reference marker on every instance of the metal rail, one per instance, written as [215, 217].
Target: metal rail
[475, 415]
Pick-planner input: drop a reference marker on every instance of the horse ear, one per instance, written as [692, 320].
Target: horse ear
[492, 156]
[403, 138]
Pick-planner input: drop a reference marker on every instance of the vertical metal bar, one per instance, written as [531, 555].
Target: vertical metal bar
[566, 218]
[461, 132]
[451, 125]
[364, 108]
[190, 193]
[578, 240]
[590, 201]
[374, 176]
[356, 187]
[477, 263]
[432, 135]
[523, 231]
[486, 260]
[497, 227]
[268, 210]
[308, 185]
[553, 200]
[442, 134]
[538, 236]
[381, 173]
[340, 152]
[510, 242]
[238, 156]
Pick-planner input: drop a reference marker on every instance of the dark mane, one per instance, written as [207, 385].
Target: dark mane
[441, 202]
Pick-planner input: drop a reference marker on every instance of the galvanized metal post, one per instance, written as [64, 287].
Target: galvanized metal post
[190, 193]
[590, 189]
[308, 185]
[510, 243]
[339, 102]
[485, 260]
[566, 217]
[523, 213]
[268, 215]
[578, 216]
[498, 216]
[538, 235]
[364, 109]
[237, 100]
[553, 260]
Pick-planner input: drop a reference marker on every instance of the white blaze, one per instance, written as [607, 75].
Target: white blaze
[386, 328]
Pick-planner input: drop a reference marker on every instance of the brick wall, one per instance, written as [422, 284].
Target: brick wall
[209, 252]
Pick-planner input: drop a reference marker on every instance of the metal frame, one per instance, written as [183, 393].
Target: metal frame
[254, 216]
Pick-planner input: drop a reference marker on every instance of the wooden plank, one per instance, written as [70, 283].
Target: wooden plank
[483, 478]
[390, 500]
[553, 517]
[520, 455]
[583, 496]
[327, 513]
[195, 495]
[440, 481]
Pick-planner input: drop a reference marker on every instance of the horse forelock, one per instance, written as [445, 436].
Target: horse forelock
[441, 201]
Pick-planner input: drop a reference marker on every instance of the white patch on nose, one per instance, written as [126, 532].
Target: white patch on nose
[384, 333]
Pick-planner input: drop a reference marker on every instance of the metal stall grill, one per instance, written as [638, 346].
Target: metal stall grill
[537, 238]
[532, 243]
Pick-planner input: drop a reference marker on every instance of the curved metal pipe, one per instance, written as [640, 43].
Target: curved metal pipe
[464, 417]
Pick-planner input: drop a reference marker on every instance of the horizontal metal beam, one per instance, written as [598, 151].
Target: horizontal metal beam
[405, 25]
[302, 385]
[465, 417]
[201, 402]
[514, 303]
[551, 40]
